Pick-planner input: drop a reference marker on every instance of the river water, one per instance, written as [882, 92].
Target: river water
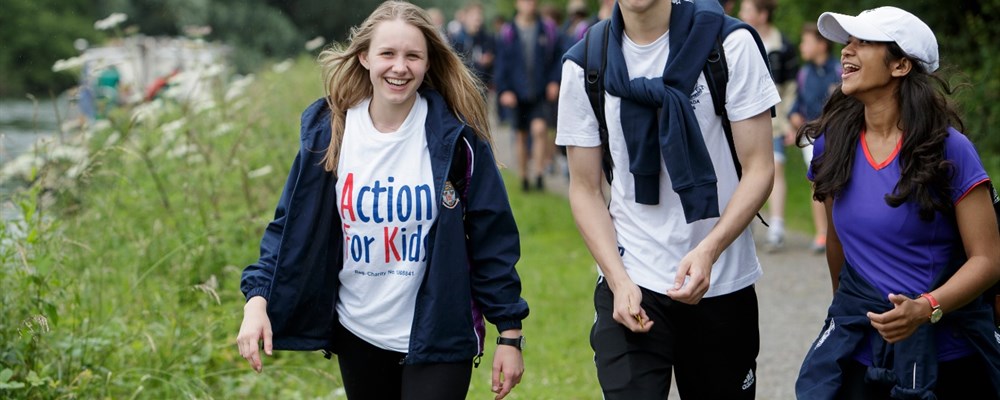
[22, 123]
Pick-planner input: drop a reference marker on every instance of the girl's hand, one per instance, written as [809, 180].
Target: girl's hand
[904, 319]
[508, 366]
[255, 326]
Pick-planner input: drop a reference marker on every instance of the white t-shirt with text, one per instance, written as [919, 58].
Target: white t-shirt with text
[653, 239]
[385, 198]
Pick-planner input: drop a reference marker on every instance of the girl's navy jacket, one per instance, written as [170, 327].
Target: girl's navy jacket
[470, 261]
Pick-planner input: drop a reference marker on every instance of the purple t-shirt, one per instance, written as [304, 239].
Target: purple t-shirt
[892, 248]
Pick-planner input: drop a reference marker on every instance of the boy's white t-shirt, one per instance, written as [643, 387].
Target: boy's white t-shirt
[653, 239]
[385, 198]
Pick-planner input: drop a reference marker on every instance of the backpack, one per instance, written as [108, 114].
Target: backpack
[716, 74]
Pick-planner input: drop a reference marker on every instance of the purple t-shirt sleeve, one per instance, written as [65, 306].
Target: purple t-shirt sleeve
[969, 170]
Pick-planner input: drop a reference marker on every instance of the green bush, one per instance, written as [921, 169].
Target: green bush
[122, 281]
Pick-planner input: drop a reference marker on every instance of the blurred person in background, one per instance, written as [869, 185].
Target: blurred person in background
[475, 43]
[526, 73]
[817, 78]
[784, 66]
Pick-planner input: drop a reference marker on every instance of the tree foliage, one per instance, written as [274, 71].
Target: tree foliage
[36, 33]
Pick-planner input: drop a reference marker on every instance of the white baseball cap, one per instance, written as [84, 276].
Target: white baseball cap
[884, 24]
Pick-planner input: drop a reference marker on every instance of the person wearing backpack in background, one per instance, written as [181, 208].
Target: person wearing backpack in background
[393, 239]
[578, 20]
[913, 241]
[782, 60]
[526, 73]
[475, 44]
[817, 78]
[675, 292]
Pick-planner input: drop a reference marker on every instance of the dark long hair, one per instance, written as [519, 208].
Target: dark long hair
[925, 115]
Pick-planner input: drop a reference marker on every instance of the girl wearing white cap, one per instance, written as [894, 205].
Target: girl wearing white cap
[913, 242]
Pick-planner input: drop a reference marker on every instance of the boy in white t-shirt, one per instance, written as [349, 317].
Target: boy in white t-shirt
[676, 287]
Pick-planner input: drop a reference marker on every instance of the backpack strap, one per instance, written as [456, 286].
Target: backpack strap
[717, 74]
[594, 81]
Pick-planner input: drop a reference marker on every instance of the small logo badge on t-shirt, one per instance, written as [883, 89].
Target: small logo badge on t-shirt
[449, 198]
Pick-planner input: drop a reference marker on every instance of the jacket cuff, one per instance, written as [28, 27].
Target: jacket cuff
[260, 291]
[647, 188]
[700, 202]
[505, 325]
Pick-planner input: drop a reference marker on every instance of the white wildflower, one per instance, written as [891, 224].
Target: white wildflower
[196, 158]
[147, 112]
[222, 129]
[239, 104]
[113, 139]
[199, 106]
[171, 128]
[72, 124]
[21, 167]
[75, 171]
[184, 78]
[282, 66]
[67, 64]
[68, 153]
[110, 22]
[212, 70]
[100, 125]
[259, 172]
[182, 150]
[238, 87]
[315, 43]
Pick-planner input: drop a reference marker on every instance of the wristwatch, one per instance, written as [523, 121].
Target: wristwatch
[516, 342]
[936, 312]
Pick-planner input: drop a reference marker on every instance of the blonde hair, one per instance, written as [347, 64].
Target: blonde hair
[347, 83]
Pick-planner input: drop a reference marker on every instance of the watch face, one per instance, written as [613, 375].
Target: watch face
[936, 315]
[521, 344]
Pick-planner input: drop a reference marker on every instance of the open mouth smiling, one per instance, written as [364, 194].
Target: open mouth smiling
[397, 82]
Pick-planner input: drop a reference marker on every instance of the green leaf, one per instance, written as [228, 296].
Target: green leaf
[5, 375]
[34, 380]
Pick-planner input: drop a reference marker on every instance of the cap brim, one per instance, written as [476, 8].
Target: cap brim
[839, 28]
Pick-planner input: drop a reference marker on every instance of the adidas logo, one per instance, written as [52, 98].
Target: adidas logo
[997, 335]
[748, 381]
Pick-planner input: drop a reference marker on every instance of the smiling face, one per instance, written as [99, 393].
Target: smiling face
[397, 61]
[866, 69]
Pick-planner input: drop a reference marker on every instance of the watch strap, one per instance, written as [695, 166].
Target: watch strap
[516, 342]
[936, 312]
[932, 300]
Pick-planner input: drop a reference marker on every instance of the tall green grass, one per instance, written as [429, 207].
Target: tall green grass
[122, 281]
